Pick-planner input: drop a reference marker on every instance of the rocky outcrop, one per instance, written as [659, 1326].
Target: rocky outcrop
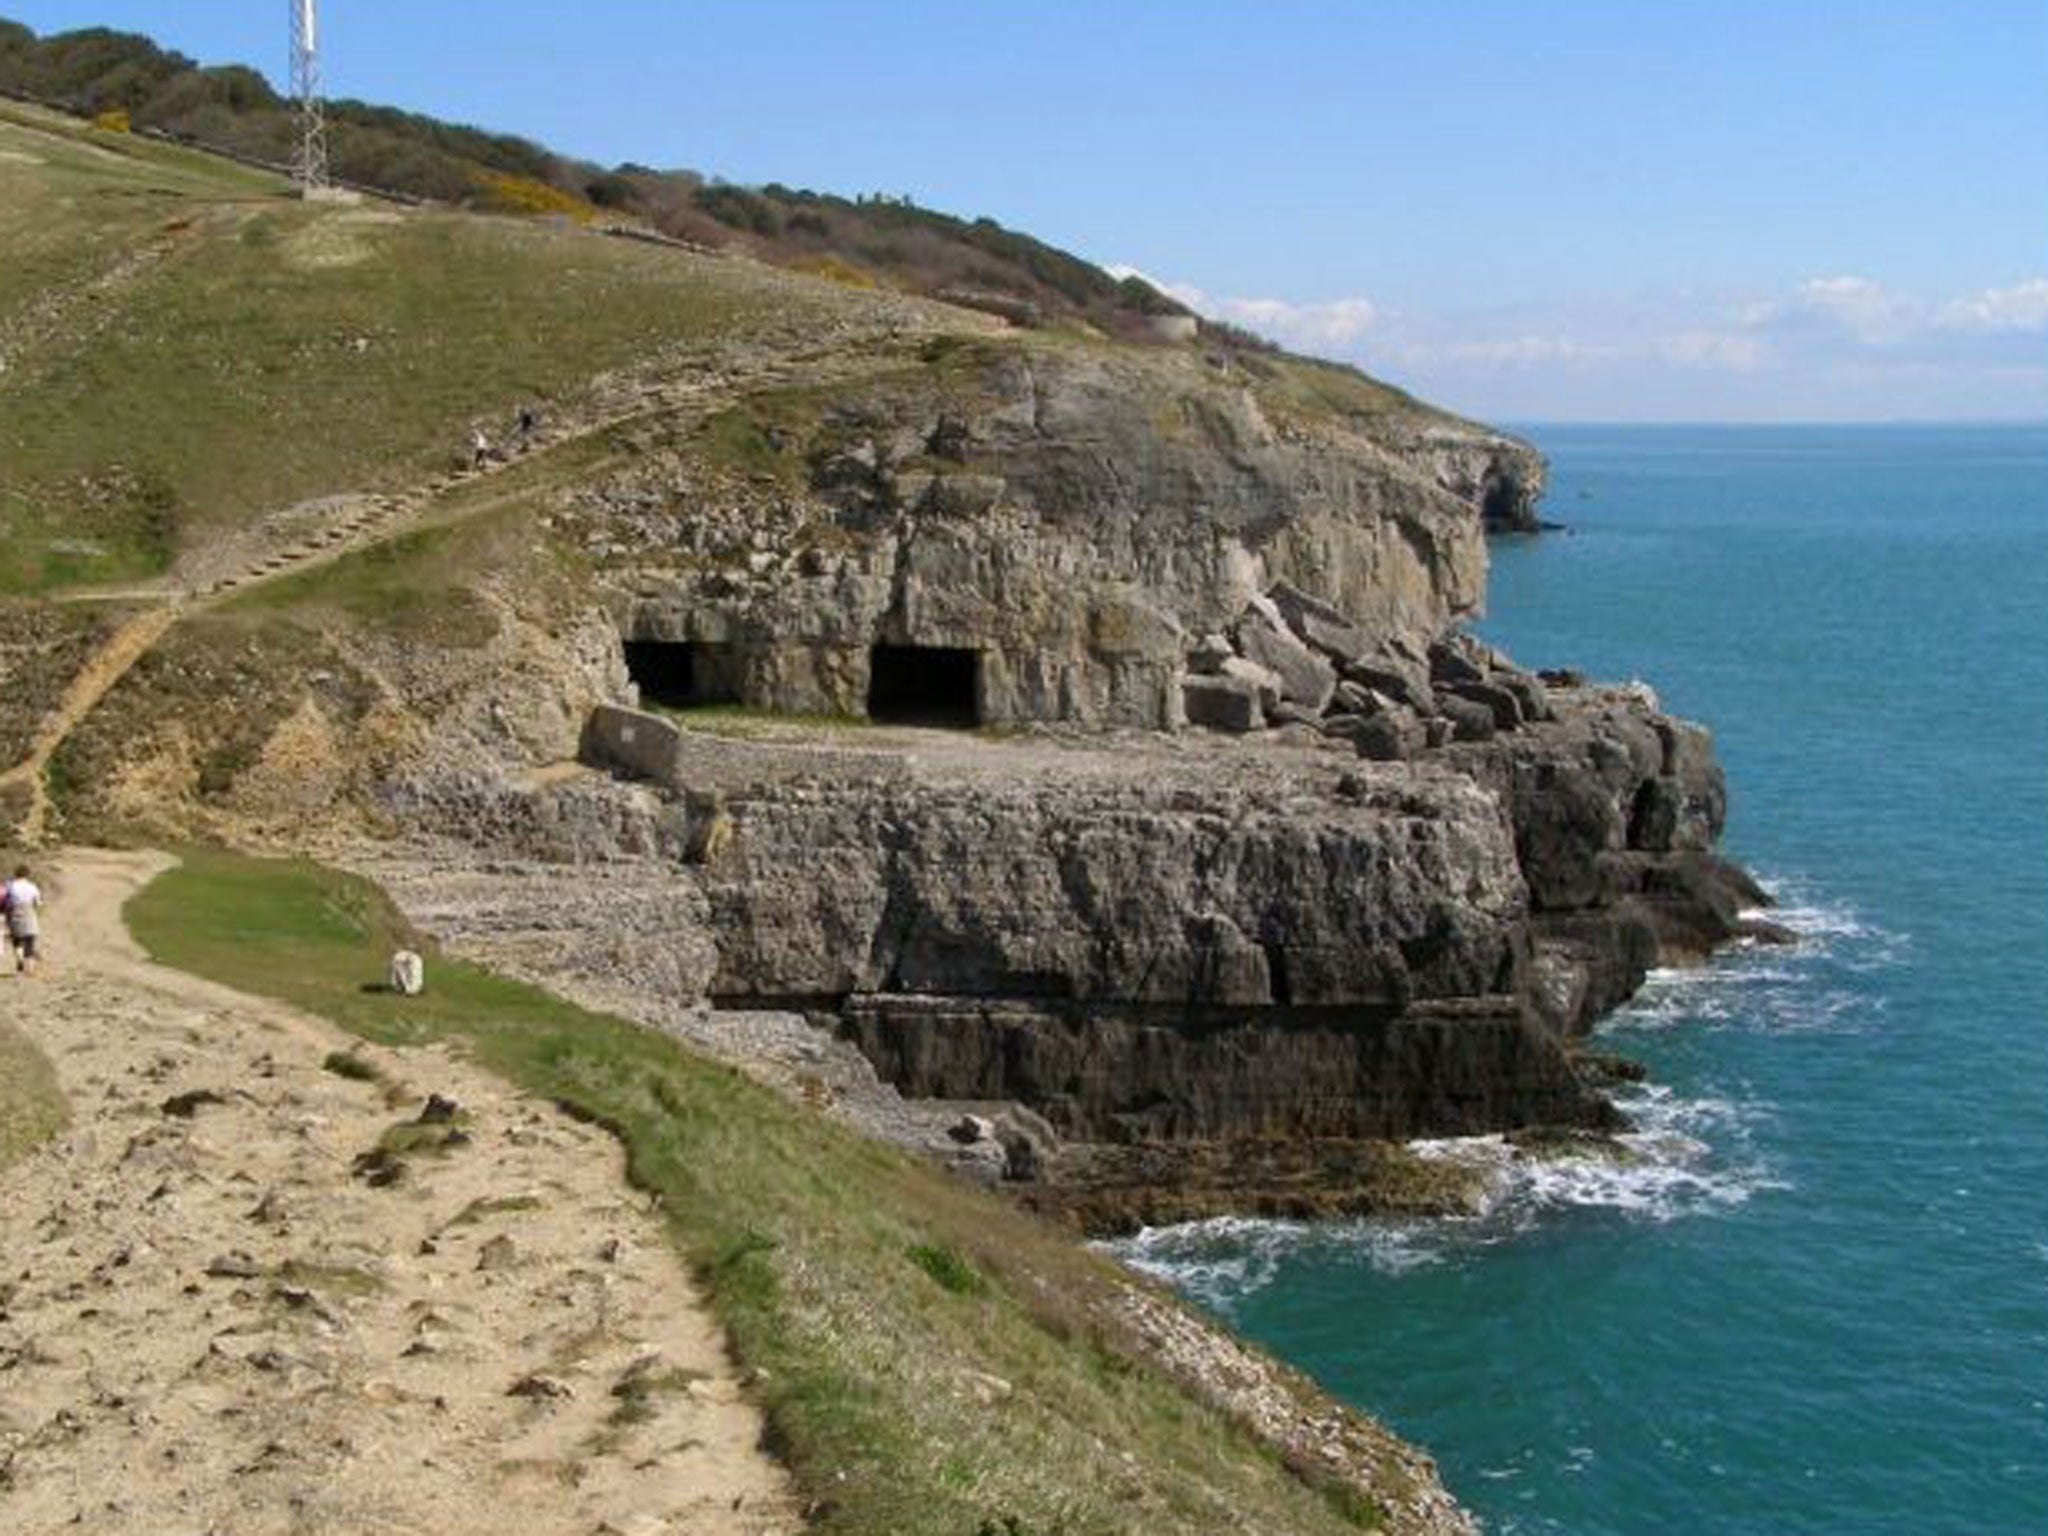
[1382, 896]
[1307, 886]
[1502, 476]
[1181, 950]
[1290, 947]
[1391, 918]
[1125, 1075]
[1070, 516]
[1380, 892]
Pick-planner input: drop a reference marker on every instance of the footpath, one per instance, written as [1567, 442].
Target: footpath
[221, 1309]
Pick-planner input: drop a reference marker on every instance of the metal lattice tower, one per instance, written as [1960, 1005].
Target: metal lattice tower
[309, 164]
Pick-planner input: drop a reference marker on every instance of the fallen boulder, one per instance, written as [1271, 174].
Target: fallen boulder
[1222, 703]
[1305, 677]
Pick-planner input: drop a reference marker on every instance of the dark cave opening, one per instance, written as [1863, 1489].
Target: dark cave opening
[924, 685]
[681, 674]
[1504, 505]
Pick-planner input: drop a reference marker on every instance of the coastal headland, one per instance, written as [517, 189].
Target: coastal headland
[1054, 749]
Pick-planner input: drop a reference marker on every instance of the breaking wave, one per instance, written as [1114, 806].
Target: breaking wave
[1687, 1155]
[1806, 986]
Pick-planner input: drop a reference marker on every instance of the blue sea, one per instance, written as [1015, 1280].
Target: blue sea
[1818, 1300]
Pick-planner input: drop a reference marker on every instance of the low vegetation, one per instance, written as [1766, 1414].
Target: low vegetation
[184, 348]
[31, 1107]
[42, 647]
[120, 78]
[929, 1358]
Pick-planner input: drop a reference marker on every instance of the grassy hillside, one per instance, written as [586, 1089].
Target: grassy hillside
[880, 241]
[185, 345]
[200, 374]
[931, 1359]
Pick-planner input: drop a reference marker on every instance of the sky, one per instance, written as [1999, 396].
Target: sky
[1527, 210]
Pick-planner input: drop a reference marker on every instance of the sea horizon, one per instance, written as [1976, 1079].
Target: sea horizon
[1900, 424]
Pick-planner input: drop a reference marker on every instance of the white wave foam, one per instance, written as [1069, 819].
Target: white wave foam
[1828, 924]
[1686, 1157]
[1810, 986]
[1217, 1261]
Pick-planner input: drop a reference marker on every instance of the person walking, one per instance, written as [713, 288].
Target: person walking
[22, 898]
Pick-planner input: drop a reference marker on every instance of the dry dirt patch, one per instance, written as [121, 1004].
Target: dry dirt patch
[217, 1314]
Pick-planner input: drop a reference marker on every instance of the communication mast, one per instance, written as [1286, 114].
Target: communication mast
[309, 164]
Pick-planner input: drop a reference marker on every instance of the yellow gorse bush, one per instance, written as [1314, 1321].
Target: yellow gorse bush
[835, 270]
[523, 194]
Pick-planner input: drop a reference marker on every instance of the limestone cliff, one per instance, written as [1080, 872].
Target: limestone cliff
[1209, 939]
[1379, 894]
[1070, 514]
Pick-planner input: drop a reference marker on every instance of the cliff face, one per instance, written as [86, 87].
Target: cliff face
[1072, 515]
[1200, 948]
[1146, 943]
[1176, 951]
[1501, 476]
[1192, 942]
[1381, 900]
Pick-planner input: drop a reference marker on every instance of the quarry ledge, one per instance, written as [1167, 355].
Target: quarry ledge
[1162, 950]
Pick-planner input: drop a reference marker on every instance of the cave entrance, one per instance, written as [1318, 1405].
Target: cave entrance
[682, 674]
[924, 685]
[1501, 507]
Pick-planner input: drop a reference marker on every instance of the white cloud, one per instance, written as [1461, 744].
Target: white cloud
[1731, 351]
[1857, 302]
[1855, 306]
[1837, 346]
[1334, 323]
[2022, 307]
[1528, 351]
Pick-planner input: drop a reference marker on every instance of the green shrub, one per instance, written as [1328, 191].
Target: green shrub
[947, 1267]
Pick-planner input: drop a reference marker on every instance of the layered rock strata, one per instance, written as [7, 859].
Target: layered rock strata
[1395, 914]
[1069, 516]
[1313, 948]
[1381, 891]
[1211, 967]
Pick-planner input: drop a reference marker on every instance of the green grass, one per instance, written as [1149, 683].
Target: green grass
[866, 1290]
[353, 1067]
[190, 347]
[410, 586]
[1300, 387]
[946, 1267]
[32, 1107]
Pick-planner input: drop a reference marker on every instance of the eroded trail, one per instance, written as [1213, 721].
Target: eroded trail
[95, 680]
[321, 531]
[211, 1320]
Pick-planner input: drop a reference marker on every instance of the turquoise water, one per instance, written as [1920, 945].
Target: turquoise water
[1820, 1304]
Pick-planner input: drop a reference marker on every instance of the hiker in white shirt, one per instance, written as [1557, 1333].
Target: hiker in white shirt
[23, 898]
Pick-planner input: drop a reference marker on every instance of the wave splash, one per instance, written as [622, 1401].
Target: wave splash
[1687, 1156]
[1814, 985]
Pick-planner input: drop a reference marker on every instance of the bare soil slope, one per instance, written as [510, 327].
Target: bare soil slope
[214, 1316]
